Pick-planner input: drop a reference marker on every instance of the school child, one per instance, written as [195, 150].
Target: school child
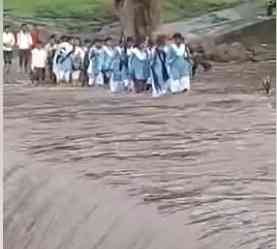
[96, 61]
[159, 70]
[178, 65]
[118, 73]
[38, 63]
[63, 61]
[8, 46]
[127, 48]
[140, 66]
[108, 54]
[77, 60]
[51, 48]
[86, 48]
[24, 44]
[150, 49]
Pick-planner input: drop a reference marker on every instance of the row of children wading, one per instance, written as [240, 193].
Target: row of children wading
[164, 66]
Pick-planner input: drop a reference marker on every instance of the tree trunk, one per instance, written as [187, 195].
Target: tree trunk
[139, 18]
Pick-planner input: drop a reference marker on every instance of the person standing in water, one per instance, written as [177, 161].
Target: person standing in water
[108, 56]
[96, 61]
[159, 70]
[24, 43]
[51, 48]
[86, 48]
[8, 46]
[35, 33]
[140, 66]
[118, 70]
[128, 47]
[63, 63]
[178, 65]
[78, 60]
[38, 63]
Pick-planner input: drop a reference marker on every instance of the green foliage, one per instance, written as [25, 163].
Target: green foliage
[92, 14]
[71, 14]
[181, 9]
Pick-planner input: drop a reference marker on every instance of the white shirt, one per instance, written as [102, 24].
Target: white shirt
[24, 40]
[50, 47]
[140, 54]
[181, 50]
[79, 52]
[130, 51]
[39, 58]
[8, 41]
[66, 45]
[108, 50]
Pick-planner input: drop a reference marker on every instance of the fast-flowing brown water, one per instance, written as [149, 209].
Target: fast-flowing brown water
[87, 169]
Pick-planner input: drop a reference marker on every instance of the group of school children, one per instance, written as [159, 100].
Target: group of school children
[164, 66]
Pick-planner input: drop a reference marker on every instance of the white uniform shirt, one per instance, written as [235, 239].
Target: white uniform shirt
[24, 40]
[39, 58]
[8, 41]
[79, 52]
[66, 45]
[50, 47]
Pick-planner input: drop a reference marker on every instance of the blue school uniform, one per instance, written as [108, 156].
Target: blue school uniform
[125, 65]
[117, 80]
[108, 57]
[96, 61]
[179, 69]
[63, 64]
[159, 72]
[139, 65]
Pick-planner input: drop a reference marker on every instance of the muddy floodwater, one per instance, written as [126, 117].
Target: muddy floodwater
[85, 169]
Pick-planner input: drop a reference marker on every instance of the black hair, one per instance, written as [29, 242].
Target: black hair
[108, 39]
[139, 41]
[63, 37]
[130, 39]
[79, 39]
[151, 43]
[177, 36]
[161, 40]
[97, 40]
[87, 40]
[53, 36]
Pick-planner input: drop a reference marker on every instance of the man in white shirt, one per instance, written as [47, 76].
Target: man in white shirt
[8, 44]
[24, 44]
[38, 63]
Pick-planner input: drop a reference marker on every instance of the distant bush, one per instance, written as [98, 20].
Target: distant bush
[93, 14]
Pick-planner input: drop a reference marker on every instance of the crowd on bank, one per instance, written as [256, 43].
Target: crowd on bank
[163, 66]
